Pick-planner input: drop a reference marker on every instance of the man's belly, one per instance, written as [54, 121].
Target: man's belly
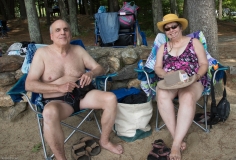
[60, 81]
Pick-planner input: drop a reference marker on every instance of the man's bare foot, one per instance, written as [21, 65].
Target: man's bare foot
[183, 146]
[117, 149]
[175, 153]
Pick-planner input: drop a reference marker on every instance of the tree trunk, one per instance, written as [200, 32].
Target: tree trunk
[157, 13]
[113, 5]
[73, 18]
[47, 9]
[77, 9]
[11, 5]
[220, 10]
[173, 7]
[85, 4]
[63, 10]
[203, 18]
[6, 9]
[185, 15]
[91, 7]
[22, 9]
[81, 7]
[33, 22]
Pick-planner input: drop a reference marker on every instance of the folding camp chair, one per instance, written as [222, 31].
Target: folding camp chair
[118, 36]
[149, 79]
[18, 90]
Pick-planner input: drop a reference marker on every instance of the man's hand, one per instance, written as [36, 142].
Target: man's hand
[86, 79]
[67, 87]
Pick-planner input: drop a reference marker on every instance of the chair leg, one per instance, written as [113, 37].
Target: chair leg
[76, 128]
[206, 129]
[157, 121]
[95, 117]
[40, 125]
[205, 111]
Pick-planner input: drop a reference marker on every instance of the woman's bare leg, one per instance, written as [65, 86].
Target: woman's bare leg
[187, 105]
[166, 108]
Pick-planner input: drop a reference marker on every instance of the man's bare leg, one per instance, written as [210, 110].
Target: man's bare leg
[108, 102]
[53, 113]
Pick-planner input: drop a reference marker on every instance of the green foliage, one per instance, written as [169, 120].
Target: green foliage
[37, 147]
[145, 15]
[149, 33]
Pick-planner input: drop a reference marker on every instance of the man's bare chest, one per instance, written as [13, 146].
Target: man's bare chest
[58, 69]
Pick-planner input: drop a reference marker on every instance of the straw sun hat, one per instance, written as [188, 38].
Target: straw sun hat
[175, 80]
[172, 18]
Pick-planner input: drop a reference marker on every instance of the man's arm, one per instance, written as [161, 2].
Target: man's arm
[94, 68]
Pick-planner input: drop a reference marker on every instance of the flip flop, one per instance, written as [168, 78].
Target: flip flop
[78, 152]
[92, 147]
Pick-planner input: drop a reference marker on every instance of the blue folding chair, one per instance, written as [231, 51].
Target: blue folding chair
[149, 78]
[18, 91]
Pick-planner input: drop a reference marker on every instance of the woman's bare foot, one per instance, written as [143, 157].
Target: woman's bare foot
[183, 146]
[117, 149]
[175, 153]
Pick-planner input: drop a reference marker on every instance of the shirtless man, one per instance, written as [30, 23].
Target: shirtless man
[53, 72]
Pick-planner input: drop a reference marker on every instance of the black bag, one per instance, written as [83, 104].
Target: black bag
[123, 40]
[221, 112]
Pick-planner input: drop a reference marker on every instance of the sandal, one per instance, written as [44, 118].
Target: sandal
[159, 144]
[92, 147]
[78, 152]
[159, 151]
[200, 117]
[164, 152]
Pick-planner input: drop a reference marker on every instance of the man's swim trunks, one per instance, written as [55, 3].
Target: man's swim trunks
[72, 98]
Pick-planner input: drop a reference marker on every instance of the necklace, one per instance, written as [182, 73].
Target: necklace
[171, 46]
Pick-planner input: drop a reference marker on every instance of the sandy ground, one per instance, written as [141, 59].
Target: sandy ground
[17, 139]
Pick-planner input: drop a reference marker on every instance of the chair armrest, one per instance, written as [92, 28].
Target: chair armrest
[17, 91]
[218, 73]
[104, 79]
[107, 75]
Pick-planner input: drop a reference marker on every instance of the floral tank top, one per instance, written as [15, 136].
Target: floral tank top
[187, 61]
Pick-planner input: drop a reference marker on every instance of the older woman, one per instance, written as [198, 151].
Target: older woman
[179, 53]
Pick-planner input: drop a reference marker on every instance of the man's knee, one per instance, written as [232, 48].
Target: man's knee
[50, 112]
[111, 99]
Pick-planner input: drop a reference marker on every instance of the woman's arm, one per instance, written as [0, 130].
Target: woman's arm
[202, 58]
[159, 62]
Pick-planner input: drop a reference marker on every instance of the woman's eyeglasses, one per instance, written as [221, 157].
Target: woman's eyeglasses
[172, 27]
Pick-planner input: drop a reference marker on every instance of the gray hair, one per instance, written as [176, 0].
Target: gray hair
[50, 28]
